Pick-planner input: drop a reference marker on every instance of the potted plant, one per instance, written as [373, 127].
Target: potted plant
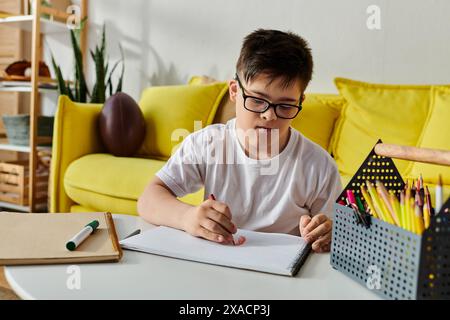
[103, 86]
[18, 126]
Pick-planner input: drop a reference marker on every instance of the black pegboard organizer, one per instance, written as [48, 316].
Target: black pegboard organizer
[375, 167]
[389, 260]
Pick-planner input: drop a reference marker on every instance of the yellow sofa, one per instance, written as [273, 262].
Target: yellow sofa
[84, 177]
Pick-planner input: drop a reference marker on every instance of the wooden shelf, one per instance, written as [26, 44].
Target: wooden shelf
[13, 206]
[26, 23]
[26, 89]
[16, 207]
[4, 145]
[37, 26]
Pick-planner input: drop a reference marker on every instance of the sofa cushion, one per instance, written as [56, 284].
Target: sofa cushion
[436, 135]
[170, 113]
[226, 109]
[318, 116]
[107, 183]
[394, 113]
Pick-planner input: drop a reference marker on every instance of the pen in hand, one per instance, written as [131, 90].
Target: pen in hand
[241, 239]
[77, 239]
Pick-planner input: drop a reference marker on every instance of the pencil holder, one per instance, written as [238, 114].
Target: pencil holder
[389, 260]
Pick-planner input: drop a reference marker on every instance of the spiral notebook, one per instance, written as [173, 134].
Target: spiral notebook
[266, 252]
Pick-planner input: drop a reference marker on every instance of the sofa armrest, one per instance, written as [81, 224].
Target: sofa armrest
[75, 134]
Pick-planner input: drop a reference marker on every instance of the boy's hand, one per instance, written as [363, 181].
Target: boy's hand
[316, 230]
[210, 220]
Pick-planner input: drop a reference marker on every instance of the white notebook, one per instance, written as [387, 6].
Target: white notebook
[267, 252]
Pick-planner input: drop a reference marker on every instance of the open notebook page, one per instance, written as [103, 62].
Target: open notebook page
[267, 252]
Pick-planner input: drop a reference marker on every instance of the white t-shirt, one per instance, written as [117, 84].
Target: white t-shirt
[263, 195]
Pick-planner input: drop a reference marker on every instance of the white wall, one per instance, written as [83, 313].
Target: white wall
[167, 41]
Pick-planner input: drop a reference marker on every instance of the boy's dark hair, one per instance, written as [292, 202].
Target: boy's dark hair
[277, 53]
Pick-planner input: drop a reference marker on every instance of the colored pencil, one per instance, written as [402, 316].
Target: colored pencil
[384, 195]
[439, 196]
[369, 202]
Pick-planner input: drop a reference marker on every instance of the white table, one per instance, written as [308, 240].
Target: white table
[146, 276]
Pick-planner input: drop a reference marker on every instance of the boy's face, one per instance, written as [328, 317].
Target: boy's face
[272, 91]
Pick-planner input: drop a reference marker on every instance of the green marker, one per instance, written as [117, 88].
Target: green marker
[73, 243]
[360, 204]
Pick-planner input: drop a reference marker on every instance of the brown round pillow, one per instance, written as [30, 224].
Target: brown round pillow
[122, 125]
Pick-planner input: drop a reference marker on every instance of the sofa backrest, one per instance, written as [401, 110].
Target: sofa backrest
[173, 112]
[395, 114]
[347, 124]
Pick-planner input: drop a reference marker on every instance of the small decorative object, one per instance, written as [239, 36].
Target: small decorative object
[122, 125]
[28, 72]
[18, 128]
[21, 71]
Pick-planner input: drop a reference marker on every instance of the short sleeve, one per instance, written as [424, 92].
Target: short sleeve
[329, 192]
[183, 171]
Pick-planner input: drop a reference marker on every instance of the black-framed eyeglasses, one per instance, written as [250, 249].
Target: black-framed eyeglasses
[260, 105]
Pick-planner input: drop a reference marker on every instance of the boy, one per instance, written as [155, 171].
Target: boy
[275, 178]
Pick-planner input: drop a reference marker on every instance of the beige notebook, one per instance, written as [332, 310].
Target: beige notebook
[40, 238]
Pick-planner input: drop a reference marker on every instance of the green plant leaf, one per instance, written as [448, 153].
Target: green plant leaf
[61, 83]
[103, 46]
[109, 85]
[77, 91]
[78, 31]
[119, 84]
[94, 95]
[98, 95]
[106, 67]
[70, 94]
[80, 86]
